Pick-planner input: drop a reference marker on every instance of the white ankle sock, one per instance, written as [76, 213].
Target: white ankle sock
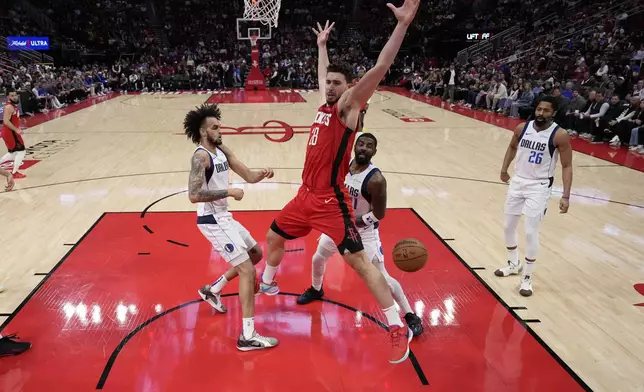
[248, 325]
[513, 256]
[529, 267]
[269, 274]
[393, 318]
[219, 285]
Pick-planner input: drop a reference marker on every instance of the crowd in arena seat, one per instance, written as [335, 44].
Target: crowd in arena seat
[594, 71]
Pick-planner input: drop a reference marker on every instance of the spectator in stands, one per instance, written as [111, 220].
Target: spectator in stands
[450, 81]
[506, 103]
[592, 123]
[636, 141]
[577, 105]
[524, 101]
[621, 126]
[493, 99]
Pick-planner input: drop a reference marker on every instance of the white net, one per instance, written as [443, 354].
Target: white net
[266, 11]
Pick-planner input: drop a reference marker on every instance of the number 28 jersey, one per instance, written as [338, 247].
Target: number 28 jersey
[537, 155]
[328, 151]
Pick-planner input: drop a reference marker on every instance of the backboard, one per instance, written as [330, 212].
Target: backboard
[248, 27]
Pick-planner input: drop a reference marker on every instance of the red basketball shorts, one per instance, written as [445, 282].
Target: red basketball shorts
[13, 140]
[327, 211]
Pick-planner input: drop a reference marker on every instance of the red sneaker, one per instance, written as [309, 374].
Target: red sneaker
[400, 338]
[18, 175]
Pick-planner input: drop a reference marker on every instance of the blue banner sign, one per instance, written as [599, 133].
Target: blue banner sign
[26, 43]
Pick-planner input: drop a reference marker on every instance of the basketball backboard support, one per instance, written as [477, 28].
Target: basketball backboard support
[248, 27]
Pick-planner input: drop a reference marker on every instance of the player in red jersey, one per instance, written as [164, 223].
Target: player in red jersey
[321, 202]
[11, 134]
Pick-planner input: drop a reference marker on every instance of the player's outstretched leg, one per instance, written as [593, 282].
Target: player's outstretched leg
[513, 266]
[532, 248]
[275, 253]
[249, 339]
[211, 294]
[321, 256]
[413, 321]
[375, 281]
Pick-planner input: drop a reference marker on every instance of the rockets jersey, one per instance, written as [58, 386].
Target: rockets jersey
[357, 184]
[328, 151]
[217, 178]
[537, 155]
[15, 117]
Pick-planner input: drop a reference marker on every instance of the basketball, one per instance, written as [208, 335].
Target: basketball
[410, 255]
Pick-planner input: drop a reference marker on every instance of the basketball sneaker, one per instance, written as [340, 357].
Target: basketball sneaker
[9, 346]
[414, 323]
[400, 338]
[310, 295]
[510, 269]
[18, 175]
[211, 298]
[268, 289]
[256, 342]
[526, 286]
[1, 288]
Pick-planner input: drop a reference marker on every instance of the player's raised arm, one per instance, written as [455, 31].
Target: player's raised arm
[323, 35]
[250, 176]
[357, 96]
[511, 152]
[562, 142]
[200, 162]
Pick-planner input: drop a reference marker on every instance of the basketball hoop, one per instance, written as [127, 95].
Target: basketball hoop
[253, 40]
[266, 11]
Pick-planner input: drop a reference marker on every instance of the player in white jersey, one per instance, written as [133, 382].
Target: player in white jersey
[209, 189]
[368, 190]
[537, 145]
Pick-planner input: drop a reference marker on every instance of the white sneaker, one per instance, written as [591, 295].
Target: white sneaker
[1, 288]
[509, 269]
[212, 299]
[256, 342]
[526, 286]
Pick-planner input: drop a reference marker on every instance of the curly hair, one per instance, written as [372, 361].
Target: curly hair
[342, 69]
[195, 119]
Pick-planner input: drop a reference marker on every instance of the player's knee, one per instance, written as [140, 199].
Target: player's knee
[255, 254]
[358, 262]
[246, 269]
[274, 240]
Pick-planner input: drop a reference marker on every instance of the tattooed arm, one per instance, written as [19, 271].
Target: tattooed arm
[196, 194]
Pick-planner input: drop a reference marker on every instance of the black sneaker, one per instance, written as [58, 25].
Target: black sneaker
[414, 323]
[256, 342]
[8, 346]
[310, 295]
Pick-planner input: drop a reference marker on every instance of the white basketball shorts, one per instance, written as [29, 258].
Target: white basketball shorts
[229, 238]
[528, 197]
[372, 247]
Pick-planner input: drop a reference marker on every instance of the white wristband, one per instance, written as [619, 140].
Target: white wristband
[369, 219]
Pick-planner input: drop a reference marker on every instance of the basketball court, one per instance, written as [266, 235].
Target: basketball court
[102, 258]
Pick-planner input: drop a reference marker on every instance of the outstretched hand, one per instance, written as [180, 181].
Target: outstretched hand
[323, 34]
[405, 13]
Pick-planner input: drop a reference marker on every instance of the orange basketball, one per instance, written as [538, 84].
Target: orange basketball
[410, 255]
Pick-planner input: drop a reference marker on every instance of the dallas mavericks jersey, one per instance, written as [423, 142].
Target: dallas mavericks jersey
[536, 157]
[361, 199]
[217, 178]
